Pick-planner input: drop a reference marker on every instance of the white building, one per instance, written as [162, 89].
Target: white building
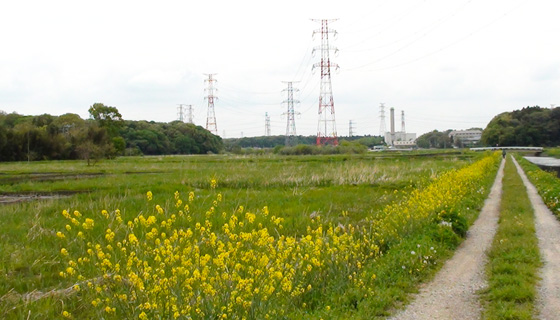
[467, 137]
[400, 139]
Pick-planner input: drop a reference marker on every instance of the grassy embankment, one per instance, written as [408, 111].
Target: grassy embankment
[547, 184]
[514, 257]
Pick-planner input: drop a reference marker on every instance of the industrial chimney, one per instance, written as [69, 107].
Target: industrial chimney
[402, 122]
[392, 125]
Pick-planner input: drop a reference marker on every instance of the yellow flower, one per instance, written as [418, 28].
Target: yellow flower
[88, 224]
[149, 195]
[159, 209]
[65, 214]
[64, 252]
[66, 314]
[60, 235]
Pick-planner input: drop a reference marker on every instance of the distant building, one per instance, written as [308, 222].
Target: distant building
[400, 139]
[467, 137]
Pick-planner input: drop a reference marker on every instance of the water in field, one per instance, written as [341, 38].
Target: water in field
[546, 163]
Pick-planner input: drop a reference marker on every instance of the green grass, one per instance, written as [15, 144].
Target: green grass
[552, 152]
[547, 184]
[295, 188]
[514, 257]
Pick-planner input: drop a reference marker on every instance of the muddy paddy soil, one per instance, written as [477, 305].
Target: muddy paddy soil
[9, 198]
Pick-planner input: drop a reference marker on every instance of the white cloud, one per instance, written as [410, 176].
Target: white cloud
[446, 63]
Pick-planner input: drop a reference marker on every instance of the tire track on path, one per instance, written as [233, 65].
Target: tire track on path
[452, 294]
[548, 234]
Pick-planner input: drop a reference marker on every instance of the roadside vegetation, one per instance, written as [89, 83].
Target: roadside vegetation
[514, 257]
[547, 184]
[315, 236]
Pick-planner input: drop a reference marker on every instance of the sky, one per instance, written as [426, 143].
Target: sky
[448, 64]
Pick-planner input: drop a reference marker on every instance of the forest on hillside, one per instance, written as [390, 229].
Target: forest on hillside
[530, 126]
[104, 135]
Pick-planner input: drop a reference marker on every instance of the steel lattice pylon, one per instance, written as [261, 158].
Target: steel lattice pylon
[291, 113]
[211, 118]
[326, 129]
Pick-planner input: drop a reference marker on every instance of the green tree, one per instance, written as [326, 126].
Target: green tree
[107, 117]
[435, 139]
[530, 126]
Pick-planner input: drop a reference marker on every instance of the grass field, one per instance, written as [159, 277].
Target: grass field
[341, 236]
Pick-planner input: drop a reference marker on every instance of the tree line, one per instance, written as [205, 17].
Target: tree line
[530, 126]
[104, 135]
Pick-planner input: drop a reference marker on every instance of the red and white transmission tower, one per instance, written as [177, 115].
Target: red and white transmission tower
[211, 118]
[326, 131]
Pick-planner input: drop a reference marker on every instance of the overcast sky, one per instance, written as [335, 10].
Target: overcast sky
[449, 64]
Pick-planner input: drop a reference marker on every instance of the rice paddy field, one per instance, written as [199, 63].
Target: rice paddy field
[231, 237]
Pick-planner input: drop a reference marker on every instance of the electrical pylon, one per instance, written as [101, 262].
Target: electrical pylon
[326, 129]
[191, 116]
[351, 128]
[382, 128]
[211, 117]
[266, 124]
[180, 112]
[291, 124]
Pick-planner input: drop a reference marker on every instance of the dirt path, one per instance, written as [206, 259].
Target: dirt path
[452, 293]
[548, 233]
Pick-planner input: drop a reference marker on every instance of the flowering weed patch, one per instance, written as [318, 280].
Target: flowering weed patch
[179, 259]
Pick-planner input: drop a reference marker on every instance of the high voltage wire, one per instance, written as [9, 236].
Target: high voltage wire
[429, 29]
[393, 20]
[437, 50]
[438, 23]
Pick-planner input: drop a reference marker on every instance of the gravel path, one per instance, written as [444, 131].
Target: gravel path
[452, 294]
[548, 233]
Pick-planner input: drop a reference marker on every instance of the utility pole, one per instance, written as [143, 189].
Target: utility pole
[266, 124]
[291, 124]
[382, 128]
[326, 129]
[211, 117]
